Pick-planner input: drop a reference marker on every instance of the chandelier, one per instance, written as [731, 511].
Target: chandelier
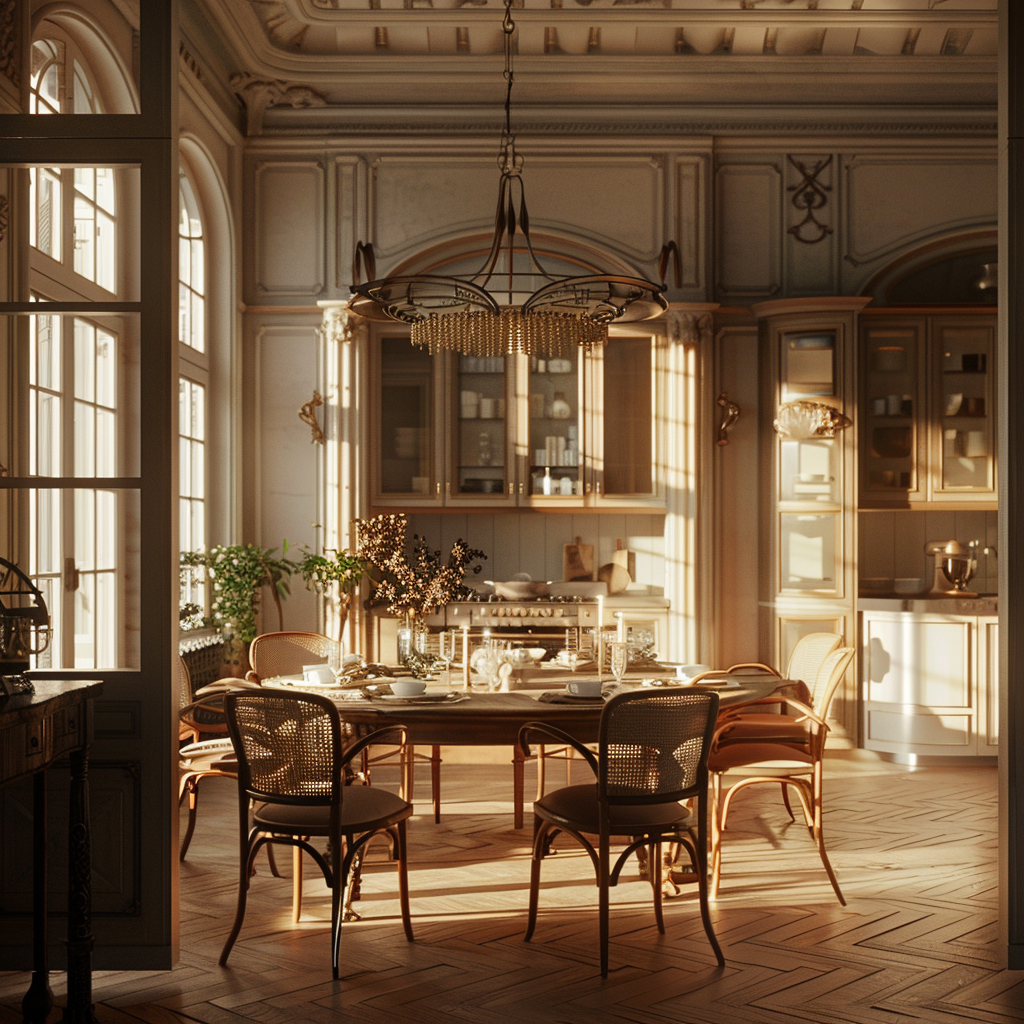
[511, 304]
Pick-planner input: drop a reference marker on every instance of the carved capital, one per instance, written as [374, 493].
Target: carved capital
[340, 325]
[258, 94]
[689, 328]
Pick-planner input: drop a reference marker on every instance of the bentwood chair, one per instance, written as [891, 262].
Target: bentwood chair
[291, 766]
[792, 757]
[809, 654]
[284, 654]
[652, 754]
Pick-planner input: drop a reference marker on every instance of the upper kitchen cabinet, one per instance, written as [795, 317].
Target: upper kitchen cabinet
[927, 425]
[493, 431]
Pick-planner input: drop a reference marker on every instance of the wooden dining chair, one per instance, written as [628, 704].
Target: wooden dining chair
[652, 754]
[791, 758]
[284, 654]
[291, 788]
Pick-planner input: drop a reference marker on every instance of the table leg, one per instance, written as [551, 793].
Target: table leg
[80, 940]
[518, 786]
[38, 1001]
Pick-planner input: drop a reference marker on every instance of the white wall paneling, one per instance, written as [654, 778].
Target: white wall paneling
[748, 246]
[288, 465]
[690, 225]
[348, 216]
[896, 202]
[417, 201]
[288, 216]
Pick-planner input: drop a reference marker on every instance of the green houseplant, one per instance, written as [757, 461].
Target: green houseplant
[238, 573]
[336, 575]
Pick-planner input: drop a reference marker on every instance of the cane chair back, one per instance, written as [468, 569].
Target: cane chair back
[792, 762]
[652, 753]
[291, 766]
[284, 654]
[808, 656]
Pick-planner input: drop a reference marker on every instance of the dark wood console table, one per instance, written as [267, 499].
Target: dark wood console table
[35, 731]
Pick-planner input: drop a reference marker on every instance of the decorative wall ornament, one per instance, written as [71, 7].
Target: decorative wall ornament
[9, 41]
[810, 196]
[800, 421]
[340, 325]
[730, 414]
[258, 94]
[5, 208]
[189, 61]
[308, 415]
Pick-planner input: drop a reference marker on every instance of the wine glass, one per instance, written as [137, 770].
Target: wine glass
[335, 657]
[618, 657]
[446, 649]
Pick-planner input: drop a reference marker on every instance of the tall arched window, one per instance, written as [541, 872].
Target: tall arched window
[192, 384]
[80, 380]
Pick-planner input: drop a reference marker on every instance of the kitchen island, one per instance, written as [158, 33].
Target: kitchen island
[929, 674]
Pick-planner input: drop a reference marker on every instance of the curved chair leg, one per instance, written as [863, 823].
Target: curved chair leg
[785, 800]
[602, 900]
[401, 850]
[655, 871]
[190, 785]
[245, 859]
[539, 841]
[296, 884]
[700, 859]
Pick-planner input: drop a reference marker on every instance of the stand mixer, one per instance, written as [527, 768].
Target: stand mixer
[955, 564]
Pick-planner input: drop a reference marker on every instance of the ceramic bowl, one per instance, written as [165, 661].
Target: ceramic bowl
[407, 687]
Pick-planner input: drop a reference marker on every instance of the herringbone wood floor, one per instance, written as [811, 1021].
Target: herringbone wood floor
[914, 851]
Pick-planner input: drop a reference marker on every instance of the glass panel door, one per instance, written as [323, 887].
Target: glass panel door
[554, 402]
[480, 427]
[405, 456]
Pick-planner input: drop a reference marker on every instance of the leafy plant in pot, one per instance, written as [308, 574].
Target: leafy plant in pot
[238, 573]
[335, 575]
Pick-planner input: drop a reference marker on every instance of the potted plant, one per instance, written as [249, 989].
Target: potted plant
[335, 574]
[238, 573]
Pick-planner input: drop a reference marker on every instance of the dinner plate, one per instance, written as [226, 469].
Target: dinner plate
[423, 698]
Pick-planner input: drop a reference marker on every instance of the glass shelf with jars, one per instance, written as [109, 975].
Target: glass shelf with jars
[926, 431]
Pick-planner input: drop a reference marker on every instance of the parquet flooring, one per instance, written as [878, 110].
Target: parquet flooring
[914, 851]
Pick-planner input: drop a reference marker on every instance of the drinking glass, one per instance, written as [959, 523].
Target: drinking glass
[335, 657]
[446, 649]
[618, 656]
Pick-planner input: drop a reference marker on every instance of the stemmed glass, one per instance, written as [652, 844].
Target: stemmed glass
[446, 649]
[572, 648]
[618, 655]
[335, 658]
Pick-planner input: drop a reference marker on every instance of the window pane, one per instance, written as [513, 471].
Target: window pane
[105, 239]
[80, 401]
[85, 530]
[85, 181]
[85, 622]
[85, 354]
[85, 440]
[85, 239]
[105, 188]
[106, 534]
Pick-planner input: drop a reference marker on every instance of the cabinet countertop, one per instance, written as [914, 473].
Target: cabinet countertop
[984, 604]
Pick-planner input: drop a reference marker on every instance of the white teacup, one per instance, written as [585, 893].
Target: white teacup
[584, 687]
[317, 675]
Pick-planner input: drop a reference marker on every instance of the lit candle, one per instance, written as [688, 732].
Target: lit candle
[465, 654]
[620, 632]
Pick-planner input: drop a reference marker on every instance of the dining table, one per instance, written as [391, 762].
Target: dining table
[479, 717]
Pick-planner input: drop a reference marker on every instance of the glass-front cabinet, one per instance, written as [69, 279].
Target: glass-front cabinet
[492, 431]
[927, 410]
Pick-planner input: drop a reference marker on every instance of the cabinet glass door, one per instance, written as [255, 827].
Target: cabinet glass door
[964, 396]
[891, 462]
[626, 417]
[406, 440]
[480, 432]
[555, 409]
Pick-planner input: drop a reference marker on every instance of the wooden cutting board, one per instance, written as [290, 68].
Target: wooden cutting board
[578, 561]
[626, 558]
